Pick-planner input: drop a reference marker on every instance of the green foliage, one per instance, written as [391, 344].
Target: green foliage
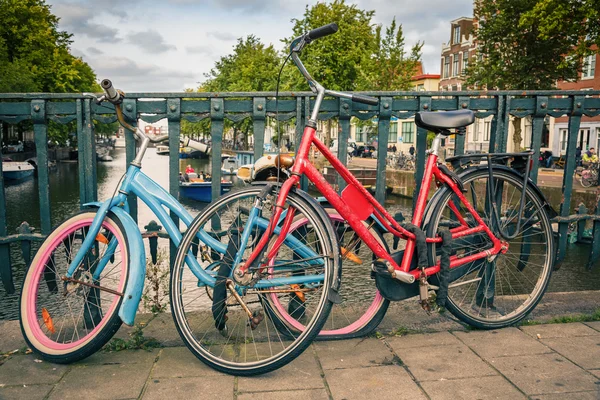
[156, 292]
[392, 68]
[595, 316]
[337, 61]
[251, 67]
[524, 46]
[34, 54]
[136, 341]
[577, 21]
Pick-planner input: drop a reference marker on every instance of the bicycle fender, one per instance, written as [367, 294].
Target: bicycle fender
[137, 264]
[547, 206]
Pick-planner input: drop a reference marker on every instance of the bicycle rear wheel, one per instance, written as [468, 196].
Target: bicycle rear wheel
[66, 321]
[495, 292]
[202, 311]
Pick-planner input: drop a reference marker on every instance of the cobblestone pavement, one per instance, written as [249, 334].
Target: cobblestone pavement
[555, 361]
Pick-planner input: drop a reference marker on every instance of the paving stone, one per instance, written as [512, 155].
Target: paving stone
[547, 331]
[481, 388]
[179, 362]
[313, 394]
[121, 357]
[595, 325]
[423, 340]
[446, 362]
[120, 381]
[11, 337]
[500, 343]
[595, 395]
[23, 370]
[353, 353]
[29, 392]
[205, 388]
[583, 351]
[302, 373]
[381, 383]
[595, 372]
[544, 374]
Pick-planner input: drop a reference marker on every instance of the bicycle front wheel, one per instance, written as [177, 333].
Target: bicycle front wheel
[230, 328]
[498, 291]
[362, 307]
[67, 320]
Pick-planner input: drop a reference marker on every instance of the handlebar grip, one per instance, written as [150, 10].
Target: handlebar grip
[359, 98]
[322, 31]
[112, 94]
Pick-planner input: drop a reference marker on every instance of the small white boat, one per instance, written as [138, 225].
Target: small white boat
[229, 166]
[16, 170]
[162, 150]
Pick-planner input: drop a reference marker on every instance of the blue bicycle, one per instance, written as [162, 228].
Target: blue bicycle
[87, 277]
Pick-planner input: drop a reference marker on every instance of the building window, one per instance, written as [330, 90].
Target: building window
[465, 61]
[408, 130]
[475, 132]
[455, 66]
[486, 131]
[393, 135]
[454, 88]
[564, 134]
[456, 38]
[421, 87]
[447, 67]
[589, 67]
[360, 134]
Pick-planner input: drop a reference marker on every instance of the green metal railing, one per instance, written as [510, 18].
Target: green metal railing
[218, 107]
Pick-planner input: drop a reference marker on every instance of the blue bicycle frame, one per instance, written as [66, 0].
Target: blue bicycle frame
[136, 182]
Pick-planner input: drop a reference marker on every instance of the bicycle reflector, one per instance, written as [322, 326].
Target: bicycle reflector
[48, 320]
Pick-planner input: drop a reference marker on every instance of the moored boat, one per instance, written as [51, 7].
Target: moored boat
[201, 191]
[17, 170]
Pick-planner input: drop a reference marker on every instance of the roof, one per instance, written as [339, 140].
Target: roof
[425, 76]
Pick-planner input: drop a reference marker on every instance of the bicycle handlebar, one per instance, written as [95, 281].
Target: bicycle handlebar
[112, 94]
[322, 31]
[296, 47]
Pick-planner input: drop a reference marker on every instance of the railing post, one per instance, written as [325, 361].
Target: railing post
[40, 131]
[497, 126]
[259, 114]
[343, 134]
[5, 265]
[383, 133]
[86, 142]
[217, 115]
[567, 188]
[130, 112]
[174, 121]
[541, 105]
[595, 249]
[581, 210]
[424, 105]
[464, 103]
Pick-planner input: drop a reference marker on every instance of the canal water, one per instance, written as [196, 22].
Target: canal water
[23, 205]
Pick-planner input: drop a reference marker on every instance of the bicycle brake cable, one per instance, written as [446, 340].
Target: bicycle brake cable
[277, 127]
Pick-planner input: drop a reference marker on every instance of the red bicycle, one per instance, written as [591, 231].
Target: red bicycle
[482, 245]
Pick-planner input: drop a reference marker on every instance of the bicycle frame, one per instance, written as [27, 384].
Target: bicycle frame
[302, 166]
[139, 184]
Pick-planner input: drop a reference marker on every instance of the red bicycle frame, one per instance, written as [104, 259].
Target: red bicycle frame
[302, 165]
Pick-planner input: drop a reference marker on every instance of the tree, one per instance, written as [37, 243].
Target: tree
[518, 50]
[392, 68]
[252, 67]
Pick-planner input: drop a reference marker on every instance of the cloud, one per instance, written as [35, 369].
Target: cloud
[76, 18]
[150, 41]
[94, 51]
[131, 76]
[224, 36]
[199, 49]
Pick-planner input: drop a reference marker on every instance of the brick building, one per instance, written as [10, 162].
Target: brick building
[456, 54]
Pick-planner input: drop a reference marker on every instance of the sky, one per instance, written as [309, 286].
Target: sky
[168, 45]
